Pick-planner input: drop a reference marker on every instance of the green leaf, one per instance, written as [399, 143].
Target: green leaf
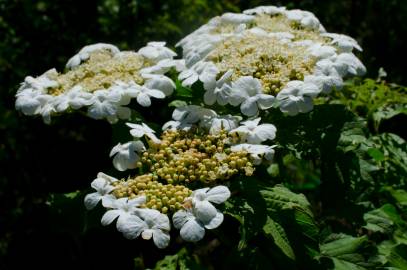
[181, 91]
[383, 219]
[280, 197]
[399, 195]
[398, 256]
[296, 212]
[345, 252]
[376, 154]
[277, 233]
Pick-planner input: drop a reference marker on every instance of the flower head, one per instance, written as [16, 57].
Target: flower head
[261, 52]
[102, 78]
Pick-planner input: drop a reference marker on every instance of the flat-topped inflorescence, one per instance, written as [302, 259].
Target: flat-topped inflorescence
[286, 54]
[102, 78]
[198, 149]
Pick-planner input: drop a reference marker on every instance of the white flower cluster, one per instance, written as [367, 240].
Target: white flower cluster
[133, 220]
[198, 212]
[102, 78]
[244, 59]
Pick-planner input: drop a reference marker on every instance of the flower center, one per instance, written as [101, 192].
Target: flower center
[100, 71]
[266, 58]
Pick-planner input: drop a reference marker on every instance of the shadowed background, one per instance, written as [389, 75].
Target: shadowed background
[37, 160]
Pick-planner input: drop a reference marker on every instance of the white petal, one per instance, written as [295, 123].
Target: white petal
[249, 107]
[91, 200]
[156, 94]
[306, 106]
[110, 216]
[161, 239]
[109, 179]
[209, 97]
[265, 101]
[266, 132]
[136, 201]
[181, 217]
[108, 200]
[248, 84]
[99, 183]
[215, 222]
[133, 227]
[192, 231]
[204, 211]
[144, 100]
[218, 194]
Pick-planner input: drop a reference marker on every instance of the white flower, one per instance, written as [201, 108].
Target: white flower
[74, 98]
[159, 83]
[325, 76]
[104, 104]
[126, 155]
[165, 65]
[203, 214]
[142, 93]
[218, 91]
[139, 131]
[31, 101]
[305, 18]
[204, 71]
[177, 125]
[156, 51]
[122, 209]
[344, 42]
[247, 91]
[256, 151]
[321, 51]
[199, 47]
[32, 97]
[103, 187]
[40, 83]
[218, 123]
[46, 112]
[325, 83]
[348, 63]
[254, 133]
[191, 114]
[297, 97]
[149, 223]
[84, 53]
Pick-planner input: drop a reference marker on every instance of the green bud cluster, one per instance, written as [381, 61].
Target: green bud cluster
[162, 197]
[187, 156]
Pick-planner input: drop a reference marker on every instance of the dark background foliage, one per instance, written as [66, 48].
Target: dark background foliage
[37, 160]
